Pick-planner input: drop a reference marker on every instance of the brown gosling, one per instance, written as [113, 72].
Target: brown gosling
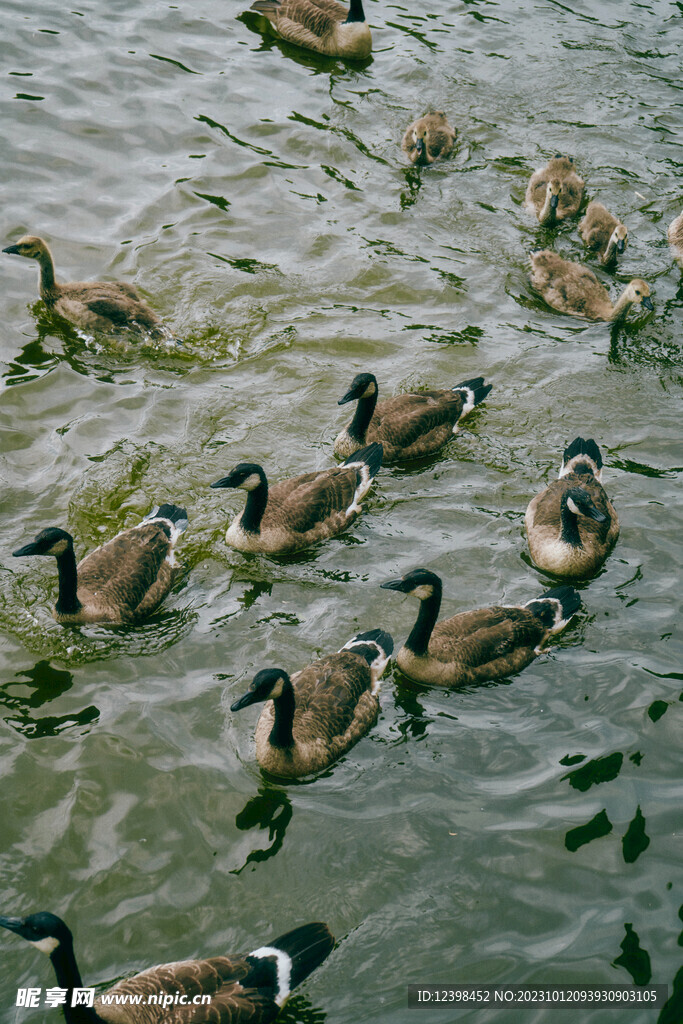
[90, 305]
[240, 988]
[675, 235]
[321, 25]
[313, 718]
[428, 139]
[571, 526]
[574, 289]
[603, 233]
[555, 191]
[472, 647]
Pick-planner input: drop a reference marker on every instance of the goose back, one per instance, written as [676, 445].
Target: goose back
[322, 25]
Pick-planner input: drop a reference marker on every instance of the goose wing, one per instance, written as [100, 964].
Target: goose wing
[300, 18]
[404, 419]
[544, 509]
[484, 635]
[120, 573]
[302, 502]
[328, 692]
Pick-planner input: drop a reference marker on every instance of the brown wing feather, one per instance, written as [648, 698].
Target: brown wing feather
[482, 636]
[327, 694]
[121, 573]
[302, 502]
[317, 18]
[402, 421]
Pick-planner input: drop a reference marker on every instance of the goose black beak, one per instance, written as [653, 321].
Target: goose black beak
[621, 245]
[348, 397]
[648, 303]
[393, 585]
[596, 514]
[13, 250]
[28, 549]
[13, 924]
[225, 481]
[245, 701]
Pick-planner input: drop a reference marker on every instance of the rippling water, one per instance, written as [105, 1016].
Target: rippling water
[526, 831]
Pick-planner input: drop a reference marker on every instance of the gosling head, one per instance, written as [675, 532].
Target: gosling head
[619, 238]
[581, 504]
[45, 931]
[268, 684]
[419, 583]
[553, 192]
[363, 385]
[638, 292]
[50, 541]
[420, 133]
[247, 475]
[30, 246]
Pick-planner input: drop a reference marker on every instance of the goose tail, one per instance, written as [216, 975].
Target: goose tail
[375, 646]
[556, 607]
[473, 392]
[582, 457]
[370, 456]
[172, 514]
[290, 959]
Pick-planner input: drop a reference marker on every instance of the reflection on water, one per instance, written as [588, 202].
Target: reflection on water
[272, 810]
[47, 684]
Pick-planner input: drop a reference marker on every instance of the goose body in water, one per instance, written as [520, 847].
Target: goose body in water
[428, 139]
[603, 233]
[321, 25]
[571, 525]
[123, 580]
[675, 236]
[245, 988]
[473, 647]
[90, 305]
[313, 718]
[555, 191]
[574, 289]
[300, 511]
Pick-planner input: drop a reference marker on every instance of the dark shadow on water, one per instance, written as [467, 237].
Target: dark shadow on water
[47, 684]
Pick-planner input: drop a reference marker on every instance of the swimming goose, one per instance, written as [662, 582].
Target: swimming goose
[247, 988]
[573, 289]
[571, 525]
[675, 235]
[91, 305]
[321, 25]
[555, 191]
[429, 138]
[302, 510]
[475, 646]
[318, 714]
[409, 426]
[121, 581]
[602, 232]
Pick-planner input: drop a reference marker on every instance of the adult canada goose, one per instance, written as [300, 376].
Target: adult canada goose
[475, 646]
[555, 191]
[675, 235]
[91, 305]
[121, 581]
[408, 426]
[429, 138]
[602, 232]
[573, 289]
[249, 987]
[571, 525]
[302, 510]
[322, 25]
[318, 714]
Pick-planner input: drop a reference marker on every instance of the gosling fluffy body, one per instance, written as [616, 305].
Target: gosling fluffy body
[313, 718]
[675, 236]
[571, 526]
[475, 646]
[574, 289]
[429, 138]
[245, 988]
[555, 191]
[408, 426]
[321, 25]
[603, 233]
[120, 582]
[99, 306]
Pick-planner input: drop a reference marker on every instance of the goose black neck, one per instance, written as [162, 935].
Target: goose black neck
[255, 507]
[69, 978]
[418, 641]
[365, 407]
[48, 288]
[569, 530]
[281, 734]
[356, 12]
[67, 602]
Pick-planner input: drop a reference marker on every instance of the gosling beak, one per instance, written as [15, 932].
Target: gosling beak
[621, 244]
[554, 200]
[13, 250]
[393, 585]
[647, 302]
[243, 702]
[419, 145]
[28, 549]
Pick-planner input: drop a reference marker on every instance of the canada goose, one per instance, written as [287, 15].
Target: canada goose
[318, 714]
[573, 289]
[91, 305]
[602, 232]
[409, 426]
[555, 191]
[230, 989]
[121, 581]
[302, 510]
[429, 138]
[475, 646]
[571, 525]
[675, 235]
[321, 25]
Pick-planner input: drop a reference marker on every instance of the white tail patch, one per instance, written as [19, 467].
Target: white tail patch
[362, 489]
[377, 665]
[578, 460]
[468, 406]
[284, 969]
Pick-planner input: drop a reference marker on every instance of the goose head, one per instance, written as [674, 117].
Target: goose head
[50, 541]
[419, 583]
[268, 684]
[581, 504]
[553, 192]
[45, 931]
[638, 292]
[30, 246]
[363, 385]
[619, 238]
[247, 476]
